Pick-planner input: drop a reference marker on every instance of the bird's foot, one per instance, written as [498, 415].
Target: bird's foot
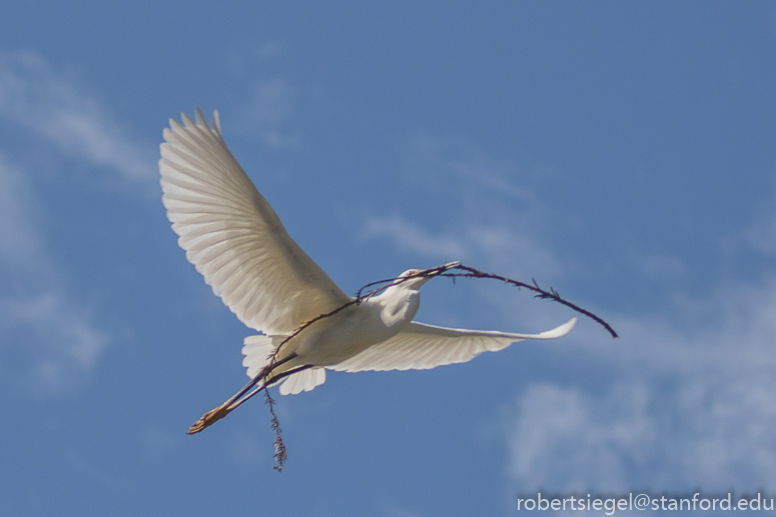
[210, 418]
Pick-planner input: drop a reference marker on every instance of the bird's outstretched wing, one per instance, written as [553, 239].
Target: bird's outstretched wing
[234, 238]
[421, 347]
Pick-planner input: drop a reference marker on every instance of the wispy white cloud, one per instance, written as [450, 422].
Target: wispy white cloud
[412, 238]
[595, 440]
[59, 336]
[434, 163]
[684, 399]
[270, 108]
[492, 220]
[54, 109]
[42, 325]
[56, 331]
[682, 404]
[495, 246]
[20, 242]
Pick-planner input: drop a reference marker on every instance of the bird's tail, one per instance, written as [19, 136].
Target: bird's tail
[258, 352]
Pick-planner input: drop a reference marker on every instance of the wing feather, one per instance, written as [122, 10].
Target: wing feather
[306, 380]
[234, 238]
[421, 347]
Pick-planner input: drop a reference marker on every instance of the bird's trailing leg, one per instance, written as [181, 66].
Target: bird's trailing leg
[268, 383]
[214, 415]
[210, 418]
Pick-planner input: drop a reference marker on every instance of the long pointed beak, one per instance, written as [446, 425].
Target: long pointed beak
[441, 269]
[446, 267]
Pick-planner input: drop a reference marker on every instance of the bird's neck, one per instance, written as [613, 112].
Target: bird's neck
[398, 305]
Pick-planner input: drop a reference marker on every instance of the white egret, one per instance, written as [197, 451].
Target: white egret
[237, 242]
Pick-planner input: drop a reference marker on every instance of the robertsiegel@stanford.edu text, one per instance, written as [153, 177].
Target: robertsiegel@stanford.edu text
[644, 501]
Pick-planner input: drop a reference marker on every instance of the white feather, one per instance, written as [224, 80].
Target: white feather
[234, 238]
[305, 380]
[422, 347]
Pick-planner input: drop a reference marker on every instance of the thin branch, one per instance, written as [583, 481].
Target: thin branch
[552, 294]
[262, 381]
[540, 293]
[280, 448]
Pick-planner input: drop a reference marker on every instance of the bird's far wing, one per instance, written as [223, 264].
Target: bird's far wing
[306, 380]
[421, 347]
[234, 238]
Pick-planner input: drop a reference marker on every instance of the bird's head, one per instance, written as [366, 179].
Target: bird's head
[415, 278]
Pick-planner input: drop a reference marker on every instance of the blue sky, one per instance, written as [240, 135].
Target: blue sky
[621, 152]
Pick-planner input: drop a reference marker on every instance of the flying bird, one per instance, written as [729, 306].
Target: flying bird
[237, 242]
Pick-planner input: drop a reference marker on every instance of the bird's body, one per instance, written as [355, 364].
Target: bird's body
[332, 340]
[235, 239]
